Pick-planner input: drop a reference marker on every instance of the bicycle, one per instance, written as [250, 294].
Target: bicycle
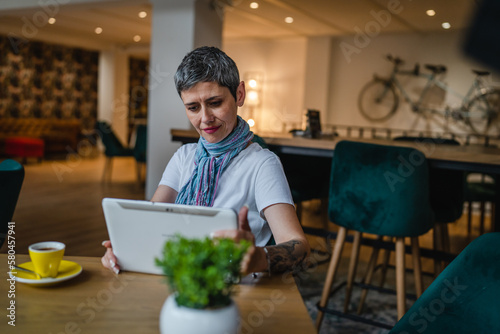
[479, 108]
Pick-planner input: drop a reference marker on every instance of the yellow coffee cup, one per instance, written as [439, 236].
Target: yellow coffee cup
[46, 257]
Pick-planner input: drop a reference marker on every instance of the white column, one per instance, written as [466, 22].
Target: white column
[105, 86]
[113, 91]
[317, 78]
[178, 26]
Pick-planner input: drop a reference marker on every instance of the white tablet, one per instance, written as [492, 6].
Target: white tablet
[138, 230]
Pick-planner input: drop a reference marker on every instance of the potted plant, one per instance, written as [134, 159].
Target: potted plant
[200, 274]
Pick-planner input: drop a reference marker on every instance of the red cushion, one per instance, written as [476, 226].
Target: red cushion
[24, 147]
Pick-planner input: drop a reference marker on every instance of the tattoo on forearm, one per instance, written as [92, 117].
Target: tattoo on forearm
[286, 256]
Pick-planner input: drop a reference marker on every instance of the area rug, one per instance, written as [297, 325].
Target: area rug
[380, 307]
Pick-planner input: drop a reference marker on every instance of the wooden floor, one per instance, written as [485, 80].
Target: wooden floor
[61, 200]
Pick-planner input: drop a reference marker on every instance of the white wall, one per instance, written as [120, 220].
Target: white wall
[283, 64]
[347, 78]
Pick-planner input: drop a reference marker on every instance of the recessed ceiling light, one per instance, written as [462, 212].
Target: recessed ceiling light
[446, 25]
[142, 14]
[288, 19]
[254, 5]
[430, 12]
[52, 20]
[98, 30]
[137, 38]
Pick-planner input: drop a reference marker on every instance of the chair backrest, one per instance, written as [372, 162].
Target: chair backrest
[380, 189]
[141, 141]
[447, 187]
[464, 297]
[259, 140]
[11, 180]
[111, 143]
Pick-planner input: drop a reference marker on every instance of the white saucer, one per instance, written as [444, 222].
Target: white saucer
[67, 270]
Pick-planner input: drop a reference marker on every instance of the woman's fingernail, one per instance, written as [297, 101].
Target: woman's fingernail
[112, 263]
[116, 270]
[246, 205]
[103, 242]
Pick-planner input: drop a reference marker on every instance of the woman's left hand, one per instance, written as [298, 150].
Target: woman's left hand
[255, 258]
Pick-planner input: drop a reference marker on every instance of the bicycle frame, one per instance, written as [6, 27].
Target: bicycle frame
[478, 109]
[474, 90]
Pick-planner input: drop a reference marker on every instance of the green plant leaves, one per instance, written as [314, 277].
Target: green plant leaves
[202, 271]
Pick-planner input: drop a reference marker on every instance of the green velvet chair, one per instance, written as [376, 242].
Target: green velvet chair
[464, 298]
[11, 181]
[113, 147]
[307, 178]
[380, 190]
[447, 193]
[259, 140]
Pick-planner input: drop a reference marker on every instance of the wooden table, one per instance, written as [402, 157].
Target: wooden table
[478, 159]
[98, 301]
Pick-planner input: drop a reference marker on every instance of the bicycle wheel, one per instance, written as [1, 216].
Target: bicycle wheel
[483, 112]
[378, 100]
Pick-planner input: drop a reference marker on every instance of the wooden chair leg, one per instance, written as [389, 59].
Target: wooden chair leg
[400, 276]
[481, 222]
[469, 218]
[330, 276]
[385, 265]
[438, 245]
[353, 263]
[324, 218]
[492, 217]
[139, 168]
[417, 266]
[372, 263]
[108, 167]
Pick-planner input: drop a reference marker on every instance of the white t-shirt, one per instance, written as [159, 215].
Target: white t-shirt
[254, 177]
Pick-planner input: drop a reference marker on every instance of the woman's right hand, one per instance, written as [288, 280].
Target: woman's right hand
[109, 259]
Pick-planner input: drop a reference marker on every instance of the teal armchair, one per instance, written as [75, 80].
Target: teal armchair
[11, 181]
[464, 298]
[113, 147]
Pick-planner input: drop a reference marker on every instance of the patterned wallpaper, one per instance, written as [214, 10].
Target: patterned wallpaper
[48, 81]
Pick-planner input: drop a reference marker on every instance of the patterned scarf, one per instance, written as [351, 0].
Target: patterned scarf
[210, 161]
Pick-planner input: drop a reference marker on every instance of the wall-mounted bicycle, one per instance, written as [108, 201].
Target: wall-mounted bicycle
[479, 108]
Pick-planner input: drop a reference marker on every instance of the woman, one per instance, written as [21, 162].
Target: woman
[225, 169]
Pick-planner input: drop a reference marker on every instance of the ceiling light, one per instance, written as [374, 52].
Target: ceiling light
[137, 38]
[98, 30]
[254, 5]
[430, 12]
[142, 14]
[446, 25]
[288, 19]
[52, 20]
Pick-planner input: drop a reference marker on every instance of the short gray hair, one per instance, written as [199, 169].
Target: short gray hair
[207, 64]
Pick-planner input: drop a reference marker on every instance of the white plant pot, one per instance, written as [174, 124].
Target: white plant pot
[175, 319]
